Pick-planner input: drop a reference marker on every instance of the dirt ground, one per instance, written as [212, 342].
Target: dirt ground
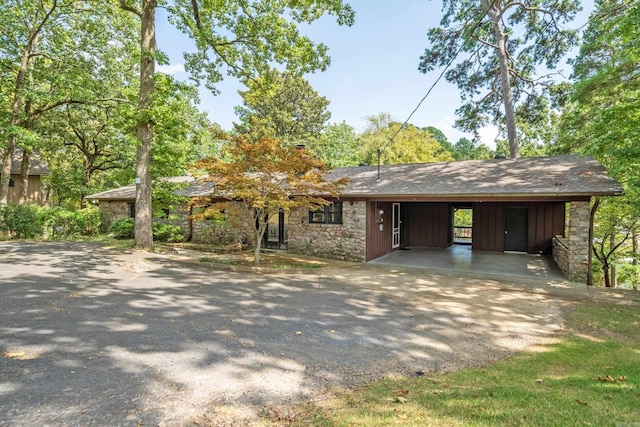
[90, 336]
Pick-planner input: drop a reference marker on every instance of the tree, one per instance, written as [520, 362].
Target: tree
[242, 38]
[616, 220]
[48, 57]
[282, 105]
[507, 40]
[409, 145]
[266, 177]
[601, 118]
[338, 146]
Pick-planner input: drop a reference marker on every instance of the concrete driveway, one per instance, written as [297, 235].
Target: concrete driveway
[89, 336]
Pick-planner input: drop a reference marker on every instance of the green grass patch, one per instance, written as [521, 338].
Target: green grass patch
[590, 378]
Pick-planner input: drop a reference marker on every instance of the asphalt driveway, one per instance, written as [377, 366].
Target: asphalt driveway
[89, 336]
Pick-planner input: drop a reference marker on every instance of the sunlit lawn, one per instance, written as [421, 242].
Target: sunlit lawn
[591, 377]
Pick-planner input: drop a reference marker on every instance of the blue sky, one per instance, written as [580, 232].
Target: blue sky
[374, 67]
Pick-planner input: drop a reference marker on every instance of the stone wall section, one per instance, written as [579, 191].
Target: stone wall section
[346, 241]
[238, 228]
[114, 211]
[572, 253]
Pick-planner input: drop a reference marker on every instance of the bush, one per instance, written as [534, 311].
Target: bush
[167, 233]
[64, 223]
[122, 229]
[94, 220]
[22, 221]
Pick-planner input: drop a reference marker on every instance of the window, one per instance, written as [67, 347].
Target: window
[330, 214]
[132, 209]
[12, 181]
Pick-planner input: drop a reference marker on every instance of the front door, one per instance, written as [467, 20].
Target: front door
[276, 235]
[516, 229]
[396, 225]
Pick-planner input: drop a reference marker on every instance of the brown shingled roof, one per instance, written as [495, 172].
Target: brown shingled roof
[128, 192]
[567, 175]
[38, 166]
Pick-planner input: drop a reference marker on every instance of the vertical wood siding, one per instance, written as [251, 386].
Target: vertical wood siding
[546, 219]
[427, 224]
[378, 242]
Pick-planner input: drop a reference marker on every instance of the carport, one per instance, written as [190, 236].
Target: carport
[462, 259]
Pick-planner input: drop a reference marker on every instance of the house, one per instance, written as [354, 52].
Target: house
[38, 168]
[538, 205]
[120, 202]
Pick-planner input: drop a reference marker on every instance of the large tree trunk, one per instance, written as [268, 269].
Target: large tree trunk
[505, 83]
[144, 127]
[16, 106]
[634, 244]
[25, 167]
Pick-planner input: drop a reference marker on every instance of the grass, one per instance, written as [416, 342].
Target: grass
[274, 261]
[591, 377]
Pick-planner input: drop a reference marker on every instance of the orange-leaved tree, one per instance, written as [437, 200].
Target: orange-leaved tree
[264, 177]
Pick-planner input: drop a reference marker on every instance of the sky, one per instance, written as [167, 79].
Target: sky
[374, 68]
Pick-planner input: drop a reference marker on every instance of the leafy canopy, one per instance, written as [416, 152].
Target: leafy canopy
[266, 177]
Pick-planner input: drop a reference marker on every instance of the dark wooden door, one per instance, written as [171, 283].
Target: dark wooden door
[516, 229]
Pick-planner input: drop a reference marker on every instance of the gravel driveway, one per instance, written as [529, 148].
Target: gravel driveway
[93, 337]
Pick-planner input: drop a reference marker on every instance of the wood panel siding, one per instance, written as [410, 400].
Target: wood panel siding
[379, 241]
[546, 219]
[427, 224]
[33, 190]
[488, 227]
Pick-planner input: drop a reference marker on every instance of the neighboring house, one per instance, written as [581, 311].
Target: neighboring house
[121, 202]
[535, 205]
[34, 189]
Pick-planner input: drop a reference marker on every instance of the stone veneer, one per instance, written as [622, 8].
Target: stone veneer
[114, 211]
[572, 253]
[346, 241]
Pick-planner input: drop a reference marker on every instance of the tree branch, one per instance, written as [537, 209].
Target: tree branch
[125, 6]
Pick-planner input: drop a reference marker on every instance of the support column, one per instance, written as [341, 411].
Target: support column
[579, 245]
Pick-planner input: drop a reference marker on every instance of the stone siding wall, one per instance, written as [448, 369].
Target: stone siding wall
[574, 261]
[114, 211]
[560, 250]
[239, 228]
[346, 241]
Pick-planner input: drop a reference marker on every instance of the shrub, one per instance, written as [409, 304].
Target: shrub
[22, 221]
[167, 233]
[64, 223]
[122, 229]
[94, 220]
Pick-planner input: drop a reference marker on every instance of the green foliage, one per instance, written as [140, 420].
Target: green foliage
[338, 146]
[169, 233]
[465, 149]
[22, 221]
[601, 118]
[410, 145]
[65, 223]
[244, 39]
[122, 229]
[506, 41]
[282, 105]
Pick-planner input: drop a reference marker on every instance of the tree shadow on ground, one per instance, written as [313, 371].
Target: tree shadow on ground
[92, 336]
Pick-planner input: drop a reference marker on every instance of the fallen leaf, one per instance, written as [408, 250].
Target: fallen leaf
[539, 380]
[400, 399]
[580, 402]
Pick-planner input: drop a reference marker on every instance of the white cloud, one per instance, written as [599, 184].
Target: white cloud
[171, 69]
